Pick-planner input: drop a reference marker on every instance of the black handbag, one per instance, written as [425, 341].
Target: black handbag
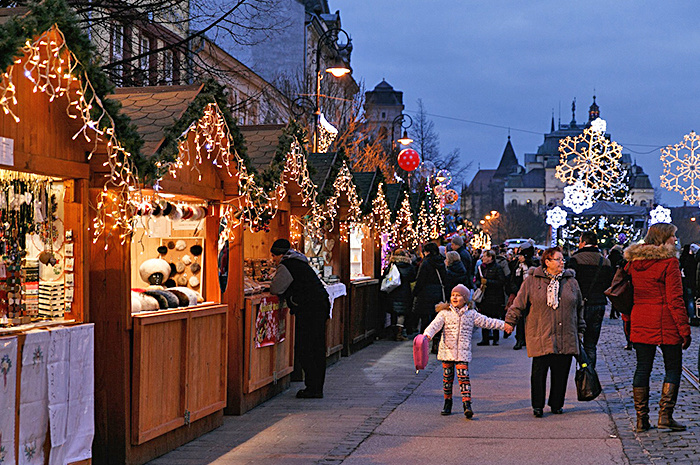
[621, 292]
[587, 382]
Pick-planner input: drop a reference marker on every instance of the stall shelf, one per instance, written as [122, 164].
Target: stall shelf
[162, 373]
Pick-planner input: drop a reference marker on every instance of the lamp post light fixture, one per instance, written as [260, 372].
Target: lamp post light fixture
[406, 122]
[336, 67]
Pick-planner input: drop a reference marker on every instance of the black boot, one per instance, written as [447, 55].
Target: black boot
[669, 395]
[447, 409]
[468, 412]
[641, 405]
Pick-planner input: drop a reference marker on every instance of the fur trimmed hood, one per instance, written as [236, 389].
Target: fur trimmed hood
[649, 252]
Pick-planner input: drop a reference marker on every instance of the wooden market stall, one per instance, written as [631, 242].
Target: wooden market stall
[162, 356]
[261, 330]
[44, 295]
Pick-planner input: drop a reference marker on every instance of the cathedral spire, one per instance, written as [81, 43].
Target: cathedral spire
[593, 111]
[573, 113]
[552, 129]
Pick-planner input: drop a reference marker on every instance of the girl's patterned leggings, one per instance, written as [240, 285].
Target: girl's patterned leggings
[448, 375]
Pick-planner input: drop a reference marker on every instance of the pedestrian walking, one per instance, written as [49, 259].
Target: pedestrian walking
[401, 298]
[490, 274]
[553, 327]
[658, 318]
[429, 289]
[307, 299]
[519, 271]
[615, 257]
[594, 275]
[457, 244]
[457, 322]
[688, 276]
[456, 273]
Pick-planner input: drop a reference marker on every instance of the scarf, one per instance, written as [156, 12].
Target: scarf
[553, 289]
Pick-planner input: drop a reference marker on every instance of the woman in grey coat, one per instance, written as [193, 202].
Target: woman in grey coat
[553, 327]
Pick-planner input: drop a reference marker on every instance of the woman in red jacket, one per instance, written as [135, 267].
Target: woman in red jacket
[658, 319]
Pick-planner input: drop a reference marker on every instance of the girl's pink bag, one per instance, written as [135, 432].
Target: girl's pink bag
[421, 349]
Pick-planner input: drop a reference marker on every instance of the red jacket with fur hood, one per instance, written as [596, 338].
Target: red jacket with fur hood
[658, 315]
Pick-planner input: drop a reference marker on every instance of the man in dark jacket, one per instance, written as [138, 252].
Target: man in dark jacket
[594, 275]
[298, 284]
[458, 246]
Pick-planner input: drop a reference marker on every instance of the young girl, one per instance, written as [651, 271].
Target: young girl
[455, 351]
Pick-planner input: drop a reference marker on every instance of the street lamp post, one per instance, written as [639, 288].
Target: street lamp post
[337, 68]
[406, 122]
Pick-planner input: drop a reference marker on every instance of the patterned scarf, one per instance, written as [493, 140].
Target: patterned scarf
[553, 289]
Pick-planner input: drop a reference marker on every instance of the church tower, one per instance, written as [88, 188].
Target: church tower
[593, 111]
[382, 106]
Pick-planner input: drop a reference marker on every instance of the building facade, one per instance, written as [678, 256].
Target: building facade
[535, 184]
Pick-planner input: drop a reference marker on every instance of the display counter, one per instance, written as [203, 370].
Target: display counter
[179, 368]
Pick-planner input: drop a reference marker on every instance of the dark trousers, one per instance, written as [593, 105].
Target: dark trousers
[489, 334]
[310, 349]
[593, 314]
[520, 331]
[559, 366]
[673, 357]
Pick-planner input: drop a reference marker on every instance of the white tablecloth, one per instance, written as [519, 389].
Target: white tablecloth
[334, 291]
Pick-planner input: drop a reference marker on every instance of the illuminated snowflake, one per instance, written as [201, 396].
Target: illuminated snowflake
[659, 215]
[682, 167]
[578, 197]
[591, 158]
[599, 125]
[556, 217]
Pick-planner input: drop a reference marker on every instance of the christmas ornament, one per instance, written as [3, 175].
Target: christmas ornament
[427, 169]
[408, 159]
[578, 197]
[682, 167]
[660, 215]
[440, 190]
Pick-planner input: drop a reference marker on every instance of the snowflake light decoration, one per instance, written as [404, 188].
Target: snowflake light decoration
[591, 158]
[599, 125]
[556, 217]
[578, 197]
[659, 215]
[682, 167]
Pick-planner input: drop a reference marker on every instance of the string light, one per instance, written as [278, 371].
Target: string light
[404, 234]
[481, 241]
[55, 71]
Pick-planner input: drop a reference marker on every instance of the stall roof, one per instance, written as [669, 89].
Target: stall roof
[262, 141]
[604, 207]
[366, 183]
[323, 164]
[152, 109]
[393, 195]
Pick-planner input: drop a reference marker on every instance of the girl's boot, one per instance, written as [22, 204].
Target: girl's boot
[641, 405]
[467, 404]
[669, 395]
[447, 409]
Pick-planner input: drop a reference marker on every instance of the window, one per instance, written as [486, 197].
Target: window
[143, 73]
[383, 115]
[643, 203]
[168, 67]
[514, 202]
[117, 42]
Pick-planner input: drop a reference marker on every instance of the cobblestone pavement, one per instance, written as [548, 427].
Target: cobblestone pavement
[653, 447]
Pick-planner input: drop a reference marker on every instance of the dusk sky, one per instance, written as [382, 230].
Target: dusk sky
[510, 63]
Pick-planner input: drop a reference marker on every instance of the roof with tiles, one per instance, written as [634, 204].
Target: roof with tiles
[322, 164]
[366, 185]
[261, 142]
[153, 109]
[393, 196]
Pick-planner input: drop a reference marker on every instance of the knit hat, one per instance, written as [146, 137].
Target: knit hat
[463, 291]
[458, 241]
[280, 247]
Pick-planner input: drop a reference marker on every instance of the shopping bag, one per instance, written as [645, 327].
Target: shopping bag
[392, 280]
[620, 292]
[421, 350]
[478, 294]
[587, 382]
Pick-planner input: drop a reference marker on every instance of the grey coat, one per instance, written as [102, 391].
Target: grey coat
[549, 331]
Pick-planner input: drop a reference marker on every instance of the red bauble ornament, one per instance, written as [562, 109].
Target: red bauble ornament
[408, 159]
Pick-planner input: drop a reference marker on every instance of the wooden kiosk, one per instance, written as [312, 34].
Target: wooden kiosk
[44, 295]
[161, 373]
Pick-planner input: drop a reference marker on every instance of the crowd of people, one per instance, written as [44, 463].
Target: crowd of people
[555, 304]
